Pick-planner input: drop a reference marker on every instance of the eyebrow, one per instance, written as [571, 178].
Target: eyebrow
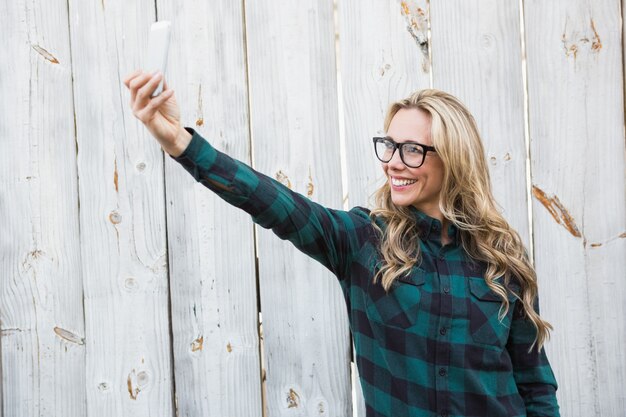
[407, 141]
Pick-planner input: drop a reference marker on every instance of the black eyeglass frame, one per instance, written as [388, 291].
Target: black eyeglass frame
[399, 146]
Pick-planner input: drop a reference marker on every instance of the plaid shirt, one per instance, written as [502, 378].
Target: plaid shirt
[432, 345]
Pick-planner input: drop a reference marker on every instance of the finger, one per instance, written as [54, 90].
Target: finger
[165, 87]
[156, 102]
[130, 76]
[145, 92]
[136, 84]
[147, 113]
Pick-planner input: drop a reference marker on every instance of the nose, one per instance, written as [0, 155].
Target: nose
[395, 162]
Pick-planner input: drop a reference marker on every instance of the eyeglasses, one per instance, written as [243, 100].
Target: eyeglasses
[412, 154]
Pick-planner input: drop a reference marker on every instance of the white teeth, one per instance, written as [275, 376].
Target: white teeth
[401, 183]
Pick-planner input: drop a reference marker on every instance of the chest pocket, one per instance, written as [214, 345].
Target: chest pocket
[400, 306]
[484, 308]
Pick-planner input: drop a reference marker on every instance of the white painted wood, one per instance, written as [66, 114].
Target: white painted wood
[1, 390]
[477, 56]
[212, 258]
[358, 402]
[295, 133]
[1, 378]
[383, 58]
[41, 313]
[576, 116]
[122, 217]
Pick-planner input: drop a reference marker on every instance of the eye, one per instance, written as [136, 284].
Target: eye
[413, 149]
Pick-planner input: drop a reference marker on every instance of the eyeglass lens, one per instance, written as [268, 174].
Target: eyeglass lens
[411, 154]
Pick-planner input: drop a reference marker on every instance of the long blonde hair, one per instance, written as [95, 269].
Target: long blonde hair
[467, 202]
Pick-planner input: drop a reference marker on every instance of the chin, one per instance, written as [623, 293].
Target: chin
[401, 202]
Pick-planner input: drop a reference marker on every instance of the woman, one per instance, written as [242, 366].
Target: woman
[441, 295]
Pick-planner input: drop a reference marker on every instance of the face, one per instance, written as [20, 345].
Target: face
[418, 187]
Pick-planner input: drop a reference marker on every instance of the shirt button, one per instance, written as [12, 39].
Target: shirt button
[443, 331]
[446, 289]
[443, 414]
[443, 372]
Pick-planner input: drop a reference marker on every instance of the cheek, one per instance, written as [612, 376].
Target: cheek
[432, 181]
[436, 174]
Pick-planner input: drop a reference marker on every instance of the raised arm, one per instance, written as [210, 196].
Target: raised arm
[332, 237]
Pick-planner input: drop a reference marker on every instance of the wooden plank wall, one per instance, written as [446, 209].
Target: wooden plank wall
[576, 115]
[42, 326]
[213, 286]
[122, 218]
[128, 289]
[477, 57]
[384, 55]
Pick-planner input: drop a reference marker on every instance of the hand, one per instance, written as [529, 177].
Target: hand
[160, 114]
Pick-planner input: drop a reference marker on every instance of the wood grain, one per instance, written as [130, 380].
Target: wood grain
[477, 56]
[122, 217]
[384, 57]
[211, 245]
[576, 116]
[42, 326]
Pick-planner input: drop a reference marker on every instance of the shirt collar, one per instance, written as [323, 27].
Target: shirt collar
[429, 228]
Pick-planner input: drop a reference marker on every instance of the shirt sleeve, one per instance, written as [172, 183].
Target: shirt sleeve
[532, 371]
[331, 237]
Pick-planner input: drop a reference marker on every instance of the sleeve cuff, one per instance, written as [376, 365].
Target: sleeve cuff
[193, 149]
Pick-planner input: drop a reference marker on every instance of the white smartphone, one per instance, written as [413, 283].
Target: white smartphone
[158, 46]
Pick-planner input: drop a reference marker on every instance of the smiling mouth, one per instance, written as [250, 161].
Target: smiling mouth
[401, 183]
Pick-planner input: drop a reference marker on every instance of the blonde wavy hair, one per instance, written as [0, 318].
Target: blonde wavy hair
[467, 202]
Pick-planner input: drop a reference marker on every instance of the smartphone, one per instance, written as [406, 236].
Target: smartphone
[158, 46]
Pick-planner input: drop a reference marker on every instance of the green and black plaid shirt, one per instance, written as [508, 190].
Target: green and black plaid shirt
[432, 345]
